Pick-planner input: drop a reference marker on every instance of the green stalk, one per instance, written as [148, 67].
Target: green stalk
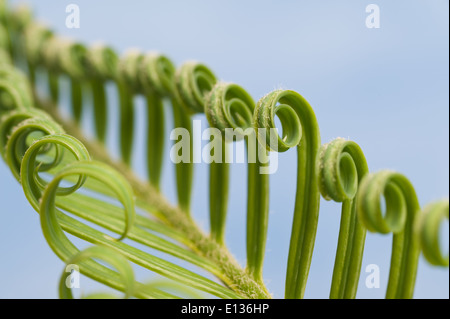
[184, 171]
[126, 122]
[304, 226]
[53, 85]
[218, 195]
[300, 129]
[341, 168]
[100, 109]
[400, 218]
[77, 99]
[155, 138]
[349, 253]
[31, 73]
[257, 219]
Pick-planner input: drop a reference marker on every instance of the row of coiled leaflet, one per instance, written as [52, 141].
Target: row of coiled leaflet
[33, 144]
[337, 170]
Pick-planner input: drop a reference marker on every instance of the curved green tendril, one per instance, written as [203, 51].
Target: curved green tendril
[217, 105]
[16, 21]
[428, 229]
[50, 61]
[230, 107]
[11, 119]
[105, 254]
[102, 62]
[15, 92]
[342, 166]
[36, 35]
[102, 173]
[19, 140]
[72, 61]
[300, 129]
[400, 217]
[32, 183]
[193, 83]
[60, 56]
[156, 76]
[128, 70]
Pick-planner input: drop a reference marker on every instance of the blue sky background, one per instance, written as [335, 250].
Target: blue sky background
[386, 89]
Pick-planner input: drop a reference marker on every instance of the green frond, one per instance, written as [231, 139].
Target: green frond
[79, 191]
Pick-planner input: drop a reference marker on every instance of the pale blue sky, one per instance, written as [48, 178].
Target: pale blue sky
[386, 89]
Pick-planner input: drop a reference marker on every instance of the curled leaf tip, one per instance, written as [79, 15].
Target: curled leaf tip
[430, 222]
[193, 82]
